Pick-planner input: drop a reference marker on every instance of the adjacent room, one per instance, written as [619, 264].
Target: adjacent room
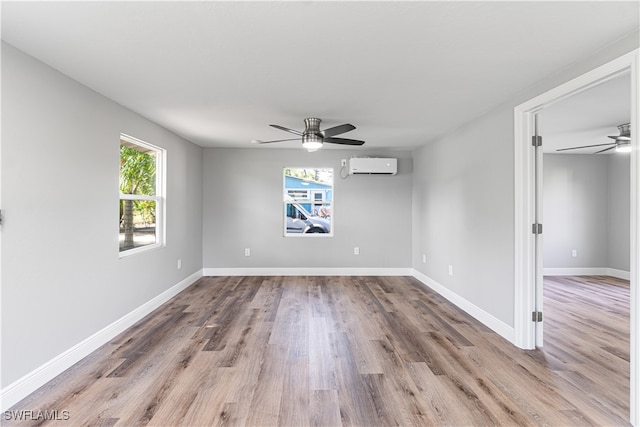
[311, 213]
[586, 205]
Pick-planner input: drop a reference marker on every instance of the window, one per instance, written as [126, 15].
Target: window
[141, 196]
[308, 202]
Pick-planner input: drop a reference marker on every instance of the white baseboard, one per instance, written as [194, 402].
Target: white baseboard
[620, 274]
[29, 383]
[591, 271]
[303, 271]
[498, 326]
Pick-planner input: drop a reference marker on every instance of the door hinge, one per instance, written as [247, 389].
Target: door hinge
[536, 228]
[536, 141]
[536, 316]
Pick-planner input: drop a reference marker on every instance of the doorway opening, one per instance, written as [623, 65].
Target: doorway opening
[585, 198]
[528, 252]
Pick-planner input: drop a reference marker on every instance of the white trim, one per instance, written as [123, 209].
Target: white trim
[524, 280]
[619, 274]
[139, 249]
[311, 202]
[524, 243]
[634, 276]
[493, 323]
[140, 197]
[160, 196]
[588, 271]
[306, 271]
[29, 383]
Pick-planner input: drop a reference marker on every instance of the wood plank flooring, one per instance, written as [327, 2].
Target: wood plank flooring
[365, 351]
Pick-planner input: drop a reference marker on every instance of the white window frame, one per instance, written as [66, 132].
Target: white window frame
[159, 198]
[309, 200]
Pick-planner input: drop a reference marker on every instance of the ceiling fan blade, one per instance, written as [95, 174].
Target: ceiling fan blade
[343, 141]
[337, 130]
[286, 129]
[586, 146]
[257, 141]
[606, 149]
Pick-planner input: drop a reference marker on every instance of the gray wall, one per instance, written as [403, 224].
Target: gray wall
[575, 210]
[62, 280]
[619, 171]
[463, 198]
[463, 214]
[586, 208]
[243, 209]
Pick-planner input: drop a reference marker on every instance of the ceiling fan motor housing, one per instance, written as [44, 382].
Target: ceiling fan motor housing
[312, 137]
[312, 127]
[625, 133]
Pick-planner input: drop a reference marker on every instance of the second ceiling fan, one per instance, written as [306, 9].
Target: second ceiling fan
[622, 142]
[313, 138]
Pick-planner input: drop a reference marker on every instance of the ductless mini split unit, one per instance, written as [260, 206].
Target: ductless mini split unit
[373, 166]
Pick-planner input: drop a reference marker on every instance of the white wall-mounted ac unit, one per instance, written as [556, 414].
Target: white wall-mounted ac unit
[373, 165]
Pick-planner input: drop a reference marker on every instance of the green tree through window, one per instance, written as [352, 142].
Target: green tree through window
[139, 196]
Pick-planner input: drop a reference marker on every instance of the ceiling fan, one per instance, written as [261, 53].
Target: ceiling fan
[622, 142]
[313, 138]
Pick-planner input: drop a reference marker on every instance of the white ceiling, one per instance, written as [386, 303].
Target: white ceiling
[588, 117]
[404, 73]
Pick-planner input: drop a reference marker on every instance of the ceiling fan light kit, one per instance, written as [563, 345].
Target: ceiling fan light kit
[623, 147]
[312, 142]
[313, 138]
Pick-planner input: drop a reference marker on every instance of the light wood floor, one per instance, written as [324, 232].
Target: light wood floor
[366, 351]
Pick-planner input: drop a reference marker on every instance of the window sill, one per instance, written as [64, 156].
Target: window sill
[138, 250]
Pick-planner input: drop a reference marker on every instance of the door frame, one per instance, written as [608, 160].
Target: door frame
[525, 208]
[538, 238]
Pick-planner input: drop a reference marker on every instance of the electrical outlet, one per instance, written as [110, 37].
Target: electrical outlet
[574, 253]
[179, 264]
[356, 250]
[424, 258]
[247, 251]
[451, 270]
[343, 163]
